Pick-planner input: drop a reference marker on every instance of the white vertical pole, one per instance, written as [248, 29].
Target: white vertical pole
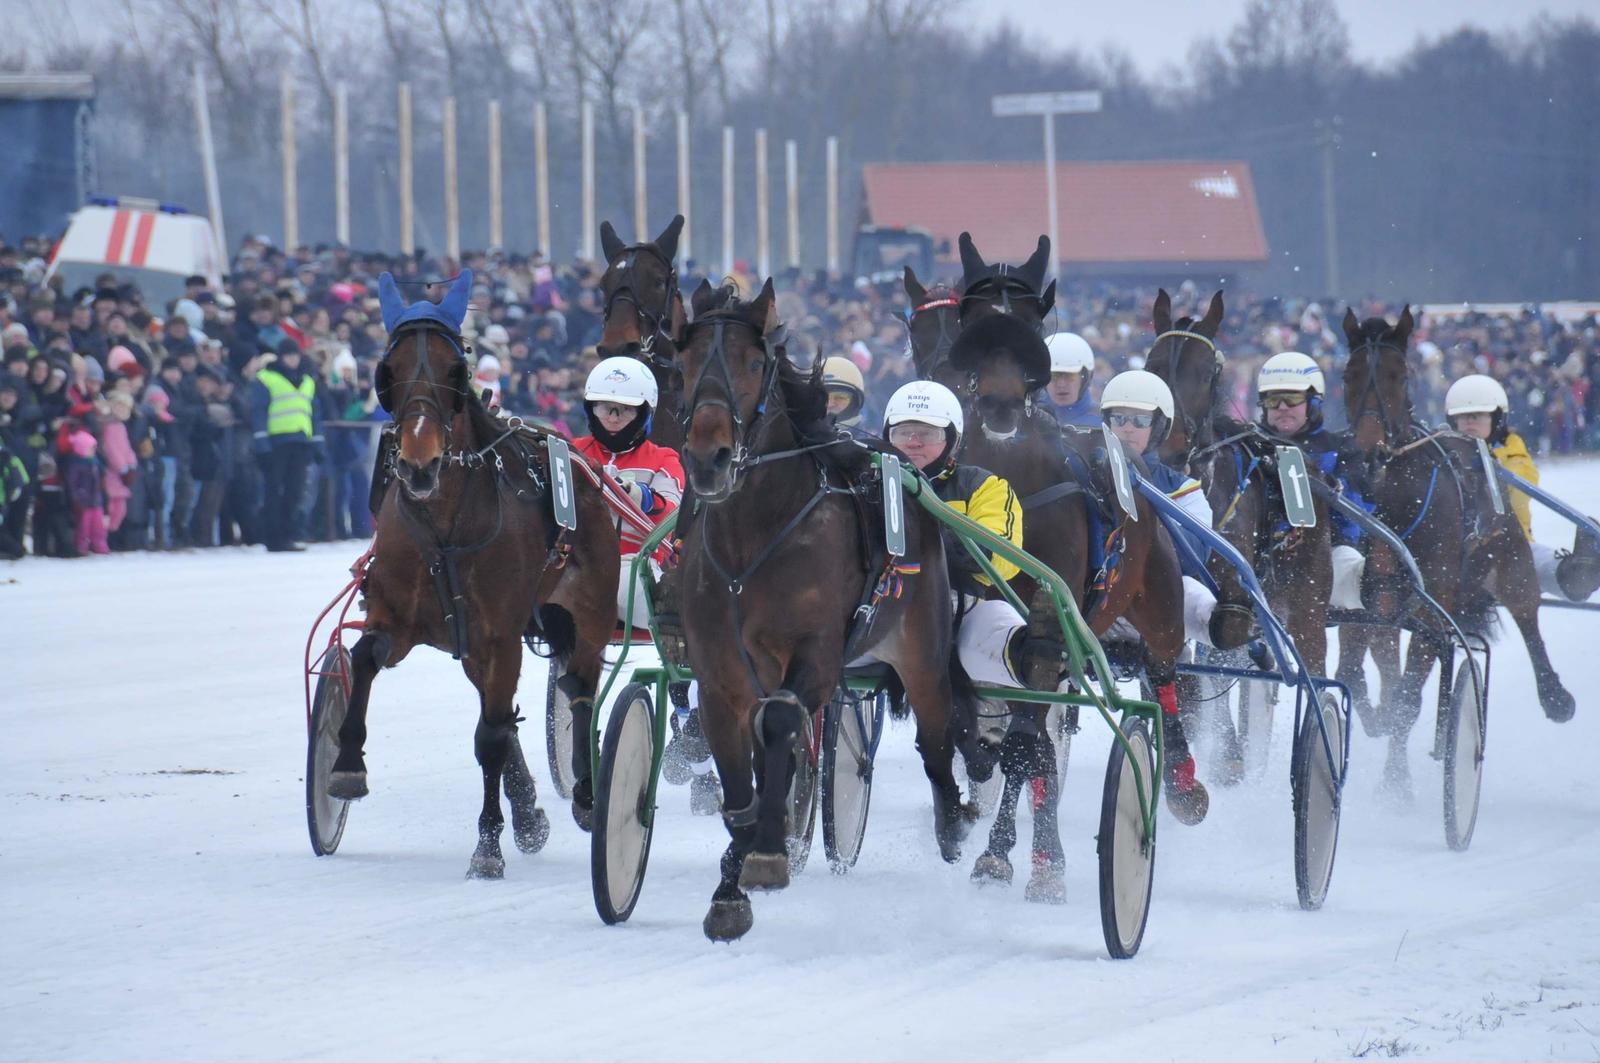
[408, 214]
[452, 200]
[727, 199]
[341, 163]
[208, 163]
[291, 188]
[641, 197]
[833, 204]
[685, 247]
[791, 187]
[586, 243]
[763, 210]
[1050, 187]
[541, 167]
[497, 229]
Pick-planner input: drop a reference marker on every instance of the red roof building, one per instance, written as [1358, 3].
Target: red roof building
[1115, 217]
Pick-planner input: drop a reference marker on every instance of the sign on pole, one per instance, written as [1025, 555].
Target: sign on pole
[1048, 104]
[291, 192]
[408, 230]
[1296, 486]
[341, 163]
[686, 239]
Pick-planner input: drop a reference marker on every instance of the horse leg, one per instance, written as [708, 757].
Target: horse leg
[580, 701]
[530, 827]
[994, 863]
[778, 724]
[728, 734]
[348, 780]
[1047, 884]
[495, 675]
[1405, 705]
[1517, 588]
[1354, 641]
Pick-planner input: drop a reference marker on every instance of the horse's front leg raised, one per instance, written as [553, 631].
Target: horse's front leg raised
[348, 780]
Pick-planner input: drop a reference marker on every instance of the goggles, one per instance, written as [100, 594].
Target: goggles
[1283, 400]
[1119, 419]
[910, 434]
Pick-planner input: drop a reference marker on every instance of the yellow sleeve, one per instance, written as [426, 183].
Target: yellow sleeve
[995, 506]
[1516, 459]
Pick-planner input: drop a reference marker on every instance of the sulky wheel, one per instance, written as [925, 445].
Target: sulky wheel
[325, 815]
[619, 847]
[1257, 700]
[847, 745]
[1127, 857]
[1463, 756]
[558, 736]
[801, 814]
[1317, 781]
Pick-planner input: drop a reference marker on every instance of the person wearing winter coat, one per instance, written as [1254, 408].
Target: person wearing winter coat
[286, 432]
[120, 462]
[83, 474]
[15, 498]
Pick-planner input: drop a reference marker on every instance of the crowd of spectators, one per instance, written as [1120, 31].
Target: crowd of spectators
[127, 426]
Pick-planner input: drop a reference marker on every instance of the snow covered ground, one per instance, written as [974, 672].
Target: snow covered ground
[159, 900]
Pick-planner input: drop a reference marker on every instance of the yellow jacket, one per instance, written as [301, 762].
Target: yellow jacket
[1513, 454]
[989, 500]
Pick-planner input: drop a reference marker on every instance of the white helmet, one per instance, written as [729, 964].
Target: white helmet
[927, 402]
[1291, 371]
[1476, 394]
[1070, 353]
[621, 379]
[1138, 390]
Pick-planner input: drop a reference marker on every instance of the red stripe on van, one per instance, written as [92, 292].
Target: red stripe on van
[119, 232]
[141, 239]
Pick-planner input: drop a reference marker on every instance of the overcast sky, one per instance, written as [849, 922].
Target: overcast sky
[1157, 33]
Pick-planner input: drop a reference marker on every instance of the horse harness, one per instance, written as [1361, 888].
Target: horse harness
[1182, 336]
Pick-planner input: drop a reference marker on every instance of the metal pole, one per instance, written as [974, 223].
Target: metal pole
[1050, 192]
[685, 247]
[208, 163]
[791, 187]
[408, 214]
[641, 198]
[763, 209]
[291, 190]
[833, 204]
[497, 231]
[1328, 137]
[341, 163]
[727, 200]
[452, 200]
[586, 243]
[541, 167]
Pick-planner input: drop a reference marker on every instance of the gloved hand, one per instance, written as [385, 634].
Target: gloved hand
[262, 445]
[642, 496]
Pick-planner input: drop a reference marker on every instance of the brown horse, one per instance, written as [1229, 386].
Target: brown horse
[766, 637]
[467, 558]
[1433, 489]
[1236, 462]
[644, 318]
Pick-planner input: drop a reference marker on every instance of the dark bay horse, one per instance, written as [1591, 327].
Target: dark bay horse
[778, 561]
[644, 317]
[1236, 463]
[467, 558]
[1434, 491]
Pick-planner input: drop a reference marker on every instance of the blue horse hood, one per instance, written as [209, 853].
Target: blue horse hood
[450, 311]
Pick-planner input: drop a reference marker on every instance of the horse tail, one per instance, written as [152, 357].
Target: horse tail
[558, 630]
[1480, 616]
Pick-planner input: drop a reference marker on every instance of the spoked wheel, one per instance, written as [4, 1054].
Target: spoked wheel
[802, 809]
[1060, 723]
[1463, 757]
[619, 847]
[325, 815]
[1127, 857]
[1257, 700]
[847, 733]
[1317, 801]
[558, 736]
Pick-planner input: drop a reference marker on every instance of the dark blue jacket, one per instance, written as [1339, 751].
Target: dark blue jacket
[1328, 452]
[1081, 414]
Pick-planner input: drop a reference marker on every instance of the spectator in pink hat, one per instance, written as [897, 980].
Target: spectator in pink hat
[86, 491]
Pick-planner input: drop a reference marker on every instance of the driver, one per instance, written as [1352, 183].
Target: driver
[1071, 370]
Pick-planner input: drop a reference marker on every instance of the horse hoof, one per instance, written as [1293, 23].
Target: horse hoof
[728, 920]
[992, 869]
[705, 795]
[347, 785]
[1395, 791]
[486, 866]
[1559, 705]
[1190, 806]
[1047, 884]
[764, 871]
[533, 832]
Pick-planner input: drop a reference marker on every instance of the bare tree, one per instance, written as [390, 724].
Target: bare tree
[301, 22]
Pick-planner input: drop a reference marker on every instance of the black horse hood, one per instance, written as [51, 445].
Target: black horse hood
[987, 335]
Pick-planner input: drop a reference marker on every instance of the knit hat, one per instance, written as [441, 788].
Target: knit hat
[82, 443]
[93, 370]
[121, 359]
[157, 401]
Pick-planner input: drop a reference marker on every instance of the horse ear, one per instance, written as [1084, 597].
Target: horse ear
[611, 244]
[972, 263]
[700, 301]
[389, 301]
[454, 304]
[1038, 264]
[1047, 301]
[1213, 320]
[1352, 328]
[914, 288]
[383, 383]
[1403, 327]
[1161, 313]
[762, 307]
[667, 242]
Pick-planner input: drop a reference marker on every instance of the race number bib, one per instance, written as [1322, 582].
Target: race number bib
[561, 492]
[1492, 474]
[1296, 485]
[894, 507]
[1120, 477]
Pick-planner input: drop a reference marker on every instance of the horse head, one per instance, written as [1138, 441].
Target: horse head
[643, 314]
[730, 361]
[1015, 291]
[1003, 363]
[933, 322]
[423, 381]
[1377, 395]
[1185, 355]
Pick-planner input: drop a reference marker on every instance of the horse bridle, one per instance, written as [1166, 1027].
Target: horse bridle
[424, 376]
[1005, 284]
[717, 357]
[947, 336]
[653, 325]
[1182, 336]
[1373, 348]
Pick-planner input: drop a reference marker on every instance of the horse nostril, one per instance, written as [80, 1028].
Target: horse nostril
[722, 459]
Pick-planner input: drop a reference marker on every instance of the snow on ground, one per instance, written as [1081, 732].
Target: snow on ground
[159, 900]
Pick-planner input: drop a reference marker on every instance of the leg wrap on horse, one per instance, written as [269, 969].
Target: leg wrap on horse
[782, 723]
[1042, 658]
[494, 735]
[571, 687]
[737, 819]
[1230, 615]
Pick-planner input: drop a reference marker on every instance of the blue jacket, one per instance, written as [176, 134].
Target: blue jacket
[1323, 449]
[1081, 414]
[1174, 485]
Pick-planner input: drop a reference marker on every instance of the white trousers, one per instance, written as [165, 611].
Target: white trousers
[1348, 563]
[1544, 563]
[1198, 605]
[640, 617]
[981, 643]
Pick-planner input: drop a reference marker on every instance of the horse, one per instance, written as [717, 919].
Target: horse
[467, 558]
[1435, 487]
[1235, 462]
[766, 637]
[642, 278]
[998, 363]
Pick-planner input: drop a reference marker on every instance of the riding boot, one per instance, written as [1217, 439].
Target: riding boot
[1578, 572]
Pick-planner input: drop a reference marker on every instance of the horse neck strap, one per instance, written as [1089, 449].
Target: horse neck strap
[1188, 335]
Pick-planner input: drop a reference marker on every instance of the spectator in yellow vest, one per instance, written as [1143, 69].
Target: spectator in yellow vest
[287, 437]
